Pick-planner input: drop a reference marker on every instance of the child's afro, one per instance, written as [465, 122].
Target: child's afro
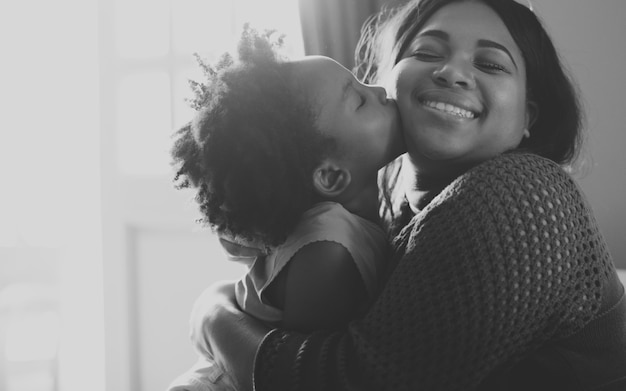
[251, 150]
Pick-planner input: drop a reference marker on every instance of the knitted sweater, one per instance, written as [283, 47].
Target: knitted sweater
[503, 282]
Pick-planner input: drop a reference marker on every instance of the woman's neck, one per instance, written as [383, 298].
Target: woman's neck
[421, 187]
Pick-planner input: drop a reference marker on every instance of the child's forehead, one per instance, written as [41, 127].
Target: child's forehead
[320, 76]
[319, 67]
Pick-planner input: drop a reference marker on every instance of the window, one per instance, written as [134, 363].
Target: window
[94, 89]
[152, 59]
[51, 326]
[154, 252]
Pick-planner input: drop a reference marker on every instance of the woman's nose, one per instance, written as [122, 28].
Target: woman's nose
[455, 74]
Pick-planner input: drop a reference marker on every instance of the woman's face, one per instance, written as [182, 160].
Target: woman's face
[461, 89]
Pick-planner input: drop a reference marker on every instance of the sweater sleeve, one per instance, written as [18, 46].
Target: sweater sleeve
[505, 259]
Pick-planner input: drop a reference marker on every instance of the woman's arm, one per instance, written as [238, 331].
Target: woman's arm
[222, 331]
[488, 275]
[320, 288]
[505, 260]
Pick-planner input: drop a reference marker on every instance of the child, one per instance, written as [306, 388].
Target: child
[284, 156]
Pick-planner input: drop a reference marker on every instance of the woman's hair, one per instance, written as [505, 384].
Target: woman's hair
[557, 131]
[251, 149]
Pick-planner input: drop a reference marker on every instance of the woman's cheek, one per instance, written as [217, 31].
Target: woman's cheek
[395, 81]
[389, 84]
[407, 76]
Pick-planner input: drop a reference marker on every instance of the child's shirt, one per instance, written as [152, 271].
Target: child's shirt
[327, 221]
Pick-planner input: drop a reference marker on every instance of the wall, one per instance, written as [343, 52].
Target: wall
[591, 38]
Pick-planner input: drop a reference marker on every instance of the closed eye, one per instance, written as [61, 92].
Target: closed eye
[424, 55]
[491, 67]
[357, 95]
[362, 101]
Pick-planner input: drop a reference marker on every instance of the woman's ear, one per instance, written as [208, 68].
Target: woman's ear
[330, 179]
[532, 113]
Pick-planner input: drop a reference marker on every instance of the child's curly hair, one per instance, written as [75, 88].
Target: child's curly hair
[252, 147]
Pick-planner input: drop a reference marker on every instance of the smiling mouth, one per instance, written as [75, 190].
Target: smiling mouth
[450, 109]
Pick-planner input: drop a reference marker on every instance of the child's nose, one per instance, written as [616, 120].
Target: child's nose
[380, 93]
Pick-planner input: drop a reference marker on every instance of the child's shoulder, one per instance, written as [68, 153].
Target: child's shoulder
[330, 231]
[333, 212]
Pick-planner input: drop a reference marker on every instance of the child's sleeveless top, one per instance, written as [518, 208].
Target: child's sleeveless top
[326, 221]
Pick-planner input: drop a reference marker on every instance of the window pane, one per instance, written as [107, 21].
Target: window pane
[211, 27]
[144, 123]
[142, 28]
[264, 15]
[202, 25]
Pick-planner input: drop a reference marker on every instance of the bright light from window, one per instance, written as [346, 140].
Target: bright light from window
[200, 25]
[271, 15]
[213, 25]
[155, 41]
[141, 28]
[32, 337]
[144, 122]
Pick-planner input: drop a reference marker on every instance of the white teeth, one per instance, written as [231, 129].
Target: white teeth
[450, 109]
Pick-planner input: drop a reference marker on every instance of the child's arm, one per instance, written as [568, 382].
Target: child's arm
[319, 288]
[216, 310]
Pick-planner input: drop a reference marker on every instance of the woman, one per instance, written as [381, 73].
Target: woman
[501, 279]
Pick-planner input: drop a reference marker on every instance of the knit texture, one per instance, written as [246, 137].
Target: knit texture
[505, 260]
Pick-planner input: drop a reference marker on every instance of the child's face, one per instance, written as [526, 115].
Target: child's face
[360, 117]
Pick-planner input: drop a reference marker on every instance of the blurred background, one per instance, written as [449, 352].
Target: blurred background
[100, 258]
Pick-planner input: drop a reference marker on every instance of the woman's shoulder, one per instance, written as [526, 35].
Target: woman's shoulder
[514, 181]
[518, 164]
[518, 171]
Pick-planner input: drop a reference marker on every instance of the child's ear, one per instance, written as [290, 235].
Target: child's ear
[330, 179]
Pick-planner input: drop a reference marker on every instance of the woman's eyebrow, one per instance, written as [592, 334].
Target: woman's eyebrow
[486, 43]
[435, 33]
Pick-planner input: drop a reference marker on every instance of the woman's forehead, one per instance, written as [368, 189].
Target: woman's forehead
[473, 22]
[469, 18]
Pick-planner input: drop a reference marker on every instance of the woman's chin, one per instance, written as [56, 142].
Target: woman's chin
[440, 161]
[439, 152]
